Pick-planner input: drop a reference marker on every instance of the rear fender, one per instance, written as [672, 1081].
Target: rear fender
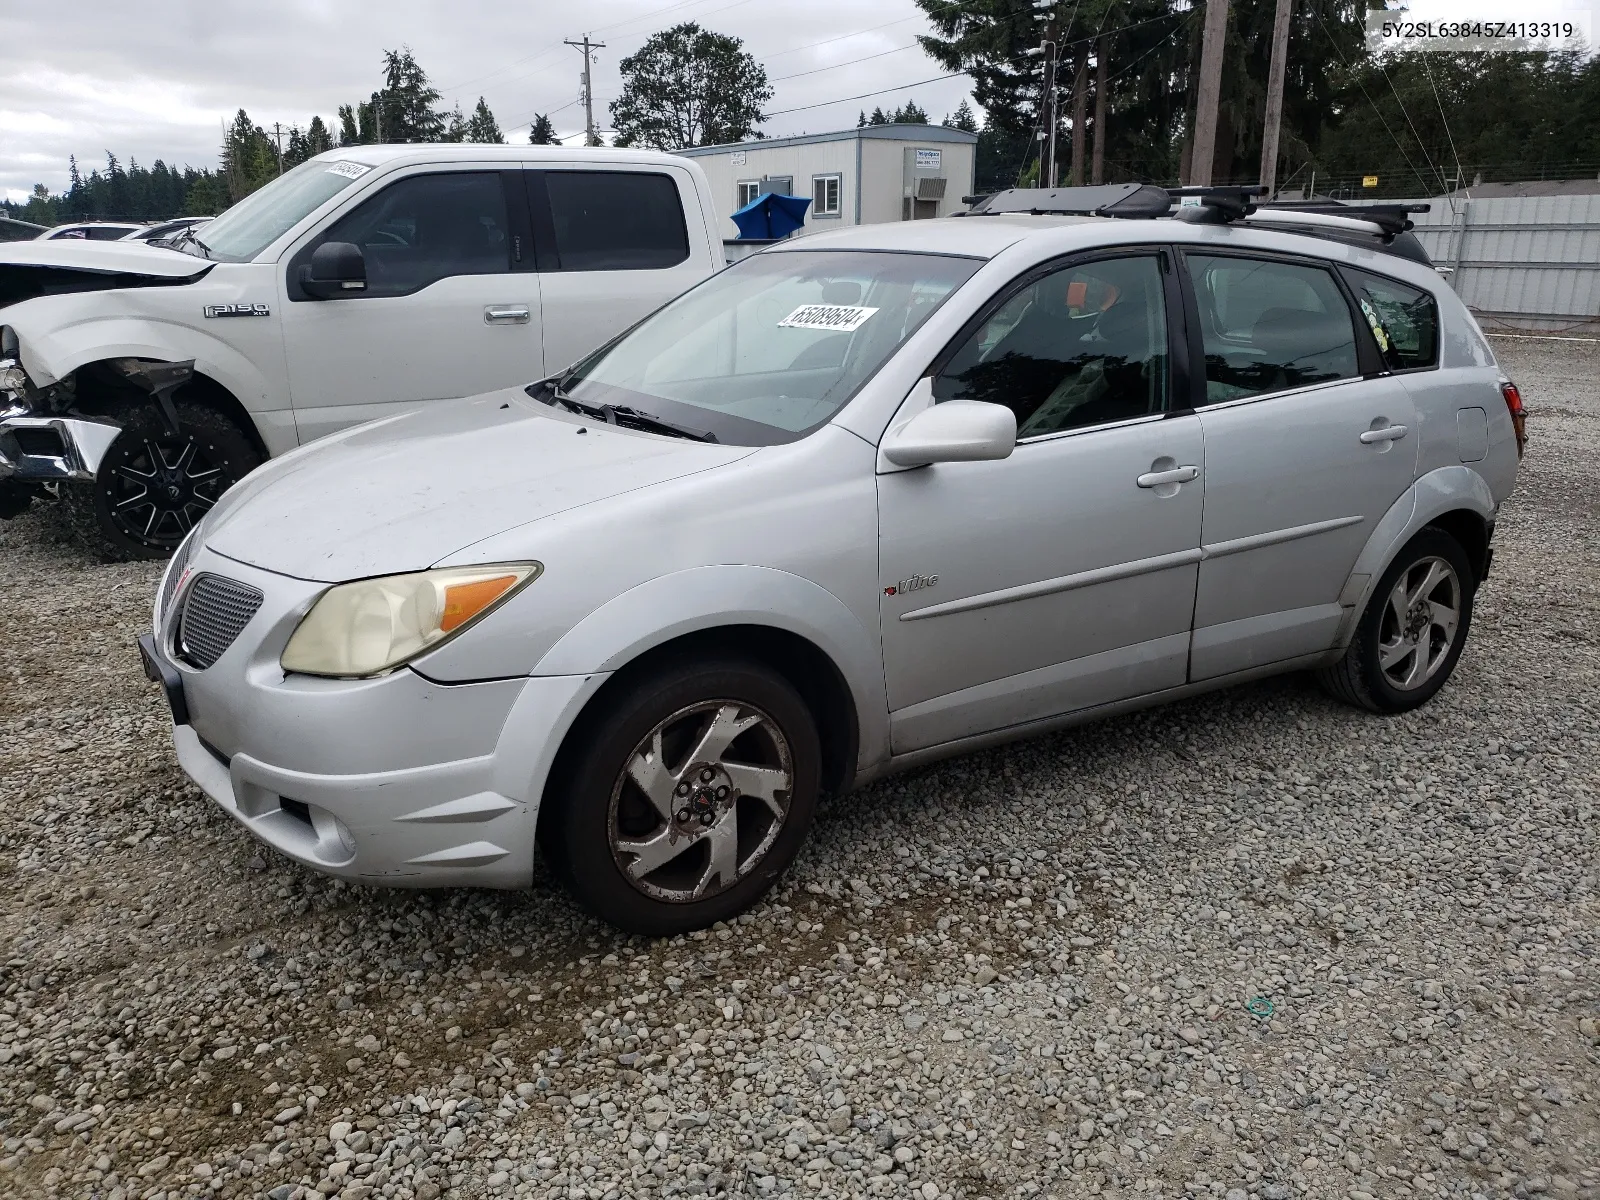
[1447, 489]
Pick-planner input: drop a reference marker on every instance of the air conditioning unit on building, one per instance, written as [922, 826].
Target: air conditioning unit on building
[924, 183]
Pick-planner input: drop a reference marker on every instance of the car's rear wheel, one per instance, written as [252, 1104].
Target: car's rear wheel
[687, 799]
[1409, 638]
[154, 485]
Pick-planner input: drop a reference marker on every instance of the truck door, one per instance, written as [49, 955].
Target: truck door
[451, 307]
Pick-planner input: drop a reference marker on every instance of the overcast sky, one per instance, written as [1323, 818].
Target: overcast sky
[157, 80]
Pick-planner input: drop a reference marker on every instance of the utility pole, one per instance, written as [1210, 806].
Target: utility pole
[1097, 172]
[588, 87]
[1275, 70]
[1080, 100]
[1209, 93]
[277, 133]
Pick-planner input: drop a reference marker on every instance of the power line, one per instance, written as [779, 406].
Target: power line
[863, 96]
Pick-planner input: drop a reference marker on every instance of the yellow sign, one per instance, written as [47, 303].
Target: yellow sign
[1369, 181]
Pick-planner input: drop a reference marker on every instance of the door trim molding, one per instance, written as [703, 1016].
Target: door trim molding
[1274, 537]
[1064, 583]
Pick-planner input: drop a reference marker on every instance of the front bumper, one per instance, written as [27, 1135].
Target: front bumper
[397, 780]
[51, 449]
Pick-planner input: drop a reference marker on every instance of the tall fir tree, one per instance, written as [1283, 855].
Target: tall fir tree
[482, 127]
[543, 131]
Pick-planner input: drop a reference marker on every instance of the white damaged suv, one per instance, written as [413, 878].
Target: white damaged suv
[858, 502]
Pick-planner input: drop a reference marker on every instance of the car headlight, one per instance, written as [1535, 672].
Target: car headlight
[370, 627]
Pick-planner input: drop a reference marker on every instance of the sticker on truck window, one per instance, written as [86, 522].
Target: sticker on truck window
[837, 318]
[1378, 331]
[350, 170]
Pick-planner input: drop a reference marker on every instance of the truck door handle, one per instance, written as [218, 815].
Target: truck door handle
[506, 314]
[1152, 479]
[1389, 433]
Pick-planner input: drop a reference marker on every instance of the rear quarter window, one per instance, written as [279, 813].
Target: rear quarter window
[1404, 320]
[616, 220]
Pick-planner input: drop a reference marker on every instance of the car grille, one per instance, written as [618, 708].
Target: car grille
[214, 613]
[169, 586]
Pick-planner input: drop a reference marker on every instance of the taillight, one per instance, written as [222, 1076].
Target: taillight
[1519, 415]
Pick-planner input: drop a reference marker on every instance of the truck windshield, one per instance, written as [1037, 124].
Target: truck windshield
[771, 348]
[253, 224]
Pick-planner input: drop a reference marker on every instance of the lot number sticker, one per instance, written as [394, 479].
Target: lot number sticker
[839, 318]
[350, 170]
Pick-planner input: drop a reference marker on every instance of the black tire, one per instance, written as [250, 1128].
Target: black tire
[209, 455]
[1360, 678]
[591, 796]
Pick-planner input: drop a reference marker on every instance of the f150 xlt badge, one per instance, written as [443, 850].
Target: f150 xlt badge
[238, 310]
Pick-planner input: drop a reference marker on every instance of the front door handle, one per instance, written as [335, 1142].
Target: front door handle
[1389, 433]
[1154, 479]
[506, 314]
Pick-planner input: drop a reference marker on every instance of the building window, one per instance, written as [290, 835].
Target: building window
[748, 190]
[825, 195]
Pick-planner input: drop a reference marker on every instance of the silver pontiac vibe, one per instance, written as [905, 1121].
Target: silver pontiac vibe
[860, 501]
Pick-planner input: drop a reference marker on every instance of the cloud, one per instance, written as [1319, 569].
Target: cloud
[158, 81]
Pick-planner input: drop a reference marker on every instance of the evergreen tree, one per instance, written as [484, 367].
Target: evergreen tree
[482, 127]
[408, 99]
[879, 117]
[962, 118]
[318, 139]
[543, 131]
[349, 133]
[455, 129]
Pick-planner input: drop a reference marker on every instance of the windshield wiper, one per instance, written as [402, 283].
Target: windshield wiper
[183, 237]
[613, 414]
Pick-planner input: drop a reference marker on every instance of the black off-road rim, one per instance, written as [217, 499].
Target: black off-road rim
[158, 489]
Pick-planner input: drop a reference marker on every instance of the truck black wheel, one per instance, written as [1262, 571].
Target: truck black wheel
[687, 799]
[153, 486]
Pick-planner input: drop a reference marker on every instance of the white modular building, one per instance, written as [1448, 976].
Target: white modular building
[854, 177]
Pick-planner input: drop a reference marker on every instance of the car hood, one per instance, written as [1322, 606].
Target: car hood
[402, 493]
[121, 258]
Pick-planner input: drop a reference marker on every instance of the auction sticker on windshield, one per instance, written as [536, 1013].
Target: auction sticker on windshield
[350, 170]
[840, 318]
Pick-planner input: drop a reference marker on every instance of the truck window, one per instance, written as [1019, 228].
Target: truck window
[425, 228]
[616, 220]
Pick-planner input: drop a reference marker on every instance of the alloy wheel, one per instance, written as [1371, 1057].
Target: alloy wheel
[700, 801]
[1419, 623]
[162, 487]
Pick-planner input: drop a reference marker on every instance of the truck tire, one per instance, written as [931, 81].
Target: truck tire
[152, 486]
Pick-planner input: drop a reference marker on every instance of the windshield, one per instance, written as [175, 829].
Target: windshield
[769, 349]
[261, 218]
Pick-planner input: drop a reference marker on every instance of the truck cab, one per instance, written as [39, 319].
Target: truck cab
[137, 382]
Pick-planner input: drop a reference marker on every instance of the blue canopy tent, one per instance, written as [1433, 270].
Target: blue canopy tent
[771, 216]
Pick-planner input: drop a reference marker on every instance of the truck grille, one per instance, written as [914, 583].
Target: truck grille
[214, 614]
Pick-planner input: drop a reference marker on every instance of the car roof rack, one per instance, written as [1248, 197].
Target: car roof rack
[1214, 205]
[1392, 219]
[1130, 200]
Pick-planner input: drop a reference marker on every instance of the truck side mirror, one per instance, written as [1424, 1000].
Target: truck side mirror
[336, 269]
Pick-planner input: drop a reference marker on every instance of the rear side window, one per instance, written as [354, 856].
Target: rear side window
[425, 228]
[1270, 326]
[1404, 320]
[616, 220]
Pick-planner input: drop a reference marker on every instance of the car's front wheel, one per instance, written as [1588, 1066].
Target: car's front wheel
[687, 799]
[1412, 632]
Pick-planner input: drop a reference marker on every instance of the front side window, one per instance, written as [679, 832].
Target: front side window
[825, 196]
[1081, 346]
[1404, 320]
[616, 220]
[771, 348]
[261, 218]
[1269, 326]
[425, 228]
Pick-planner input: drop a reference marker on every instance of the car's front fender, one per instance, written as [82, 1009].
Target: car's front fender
[704, 598]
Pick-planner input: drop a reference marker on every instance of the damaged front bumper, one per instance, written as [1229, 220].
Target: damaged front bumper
[36, 448]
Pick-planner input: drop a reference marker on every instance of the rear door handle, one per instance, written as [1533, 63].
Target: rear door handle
[1389, 433]
[1152, 479]
[506, 314]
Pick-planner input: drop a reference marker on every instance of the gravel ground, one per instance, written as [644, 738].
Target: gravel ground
[1021, 973]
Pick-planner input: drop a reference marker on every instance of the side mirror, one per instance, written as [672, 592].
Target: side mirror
[955, 431]
[337, 269]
